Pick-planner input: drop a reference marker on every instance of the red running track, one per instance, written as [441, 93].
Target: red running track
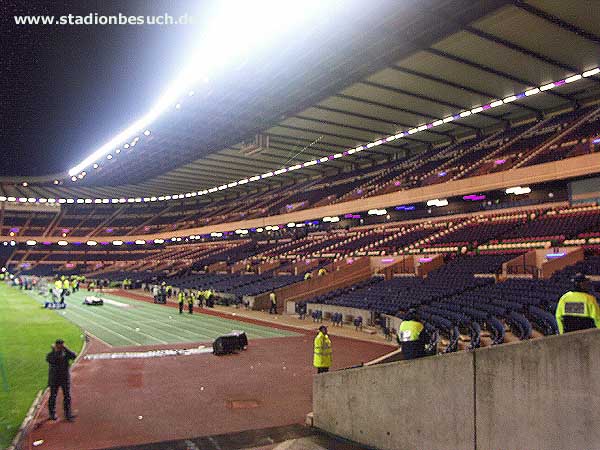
[268, 385]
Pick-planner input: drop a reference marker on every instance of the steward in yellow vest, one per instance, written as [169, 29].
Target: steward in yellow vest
[191, 298]
[411, 336]
[272, 303]
[578, 309]
[322, 351]
[181, 300]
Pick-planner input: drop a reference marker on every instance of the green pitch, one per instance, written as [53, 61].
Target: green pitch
[26, 333]
[126, 322]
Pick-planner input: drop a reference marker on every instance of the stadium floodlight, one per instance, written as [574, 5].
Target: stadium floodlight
[62, 243]
[159, 241]
[117, 243]
[91, 243]
[230, 37]
[31, 242]
[140, 241]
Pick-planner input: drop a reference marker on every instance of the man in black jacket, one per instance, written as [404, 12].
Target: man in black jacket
[59, 377]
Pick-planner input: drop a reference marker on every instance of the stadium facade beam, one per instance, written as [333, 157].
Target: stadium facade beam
[557, 21]
[336, 164]
[365, 116]
[458, 86]
[403, 110]
[346, 137]
[493, 71]
[350, 158]
[425, 98]
[516, 47]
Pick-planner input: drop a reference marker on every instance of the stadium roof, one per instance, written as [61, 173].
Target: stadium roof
[401, 67]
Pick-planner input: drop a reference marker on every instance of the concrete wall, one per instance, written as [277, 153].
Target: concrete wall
[537, 394]
[400, 405]
[540, 394]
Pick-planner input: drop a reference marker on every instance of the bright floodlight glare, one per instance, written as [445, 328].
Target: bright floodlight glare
[230, 37]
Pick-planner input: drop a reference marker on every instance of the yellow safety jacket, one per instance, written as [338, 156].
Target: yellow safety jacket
[307, 276]
[273, 298]
[409, 330]
[577, 304]
[322, 272]
[191, 299]
[58, 284]
[322, 353]
[181, 297]
[66, 284]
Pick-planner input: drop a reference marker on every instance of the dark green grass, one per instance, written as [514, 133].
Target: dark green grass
[26, 333]
[144, 323]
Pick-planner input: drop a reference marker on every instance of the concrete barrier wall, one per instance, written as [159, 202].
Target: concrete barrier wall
[538, 394]
[400, 405]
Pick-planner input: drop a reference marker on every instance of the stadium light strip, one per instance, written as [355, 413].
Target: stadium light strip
[399, 135]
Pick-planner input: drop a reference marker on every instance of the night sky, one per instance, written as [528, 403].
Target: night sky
[65, 90]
